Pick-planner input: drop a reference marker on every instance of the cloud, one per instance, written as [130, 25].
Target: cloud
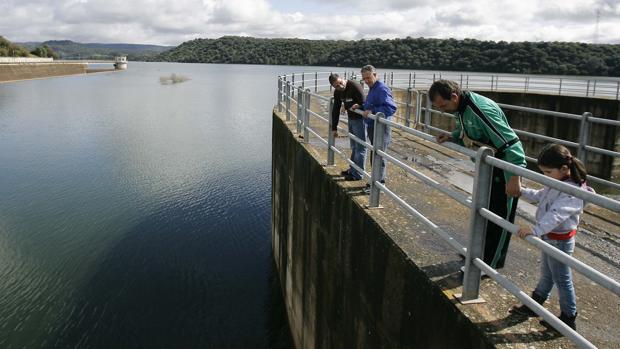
[172, 22]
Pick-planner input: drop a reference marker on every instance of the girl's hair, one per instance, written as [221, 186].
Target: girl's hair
[555, 156]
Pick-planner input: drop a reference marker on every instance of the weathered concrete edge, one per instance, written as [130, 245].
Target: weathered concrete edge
[32, 71]
[345, 282]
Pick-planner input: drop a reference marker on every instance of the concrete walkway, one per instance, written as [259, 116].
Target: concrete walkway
[598, 245]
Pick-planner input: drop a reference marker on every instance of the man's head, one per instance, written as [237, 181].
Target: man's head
[337, 82]
[445, 95]
[369, 75]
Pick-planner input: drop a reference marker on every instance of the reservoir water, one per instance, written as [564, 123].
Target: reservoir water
[137, 215]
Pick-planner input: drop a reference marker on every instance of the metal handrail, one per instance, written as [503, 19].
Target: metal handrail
[473, 262]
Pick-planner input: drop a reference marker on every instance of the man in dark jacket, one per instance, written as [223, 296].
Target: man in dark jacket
[346, 94]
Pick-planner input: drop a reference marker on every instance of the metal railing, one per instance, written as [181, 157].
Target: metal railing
[586, 120]
[478, 203]
[598, 87]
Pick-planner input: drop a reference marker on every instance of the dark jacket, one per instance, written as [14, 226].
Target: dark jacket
[352, 94]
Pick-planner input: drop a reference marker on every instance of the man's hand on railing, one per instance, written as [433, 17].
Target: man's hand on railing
[443, 138]
[513, 187]
[335, 133]
[365, 113]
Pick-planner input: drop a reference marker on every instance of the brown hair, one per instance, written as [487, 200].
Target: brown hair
[556, 155]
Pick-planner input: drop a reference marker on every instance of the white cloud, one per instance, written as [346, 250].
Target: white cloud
[172, 22]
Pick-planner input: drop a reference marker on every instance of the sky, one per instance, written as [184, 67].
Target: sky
[172, 22]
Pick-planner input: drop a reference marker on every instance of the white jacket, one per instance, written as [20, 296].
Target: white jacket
[557, 212]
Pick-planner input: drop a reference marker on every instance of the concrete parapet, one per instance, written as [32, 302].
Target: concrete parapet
[16, 72]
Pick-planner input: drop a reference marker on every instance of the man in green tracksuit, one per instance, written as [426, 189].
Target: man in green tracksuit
[481, 120]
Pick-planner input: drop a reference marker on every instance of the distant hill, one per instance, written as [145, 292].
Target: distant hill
[9, 49]
[561, 58]
[67, 49]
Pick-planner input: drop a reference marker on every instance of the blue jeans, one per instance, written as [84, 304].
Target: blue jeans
[387, 138]
[558, 274]
[358, 151]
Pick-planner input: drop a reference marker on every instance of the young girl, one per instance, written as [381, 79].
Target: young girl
[557, 218]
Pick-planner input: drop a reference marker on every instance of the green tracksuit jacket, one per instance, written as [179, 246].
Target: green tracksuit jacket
[482, 120]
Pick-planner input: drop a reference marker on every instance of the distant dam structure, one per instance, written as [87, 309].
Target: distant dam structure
[26, 68]
[120, 62]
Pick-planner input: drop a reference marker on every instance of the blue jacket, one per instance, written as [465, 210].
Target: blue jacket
[379, 100]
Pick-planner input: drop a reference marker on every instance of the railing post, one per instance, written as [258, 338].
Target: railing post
[588, 89]
[279, 94]
[584, 137]
[461, 84]
[385, 78]
[560, 88]
[293, 80]
[303, 80]
[300, 103]
[477, 225]
[427, 115]
[408, 109]
[594, 89]
[492, 78]
[288, 101]
[467, 82]
[307, 116]
[409, 85]
[300, 111]
[433, 77]
[377, 160]
[392, 79]
[418, 108]
[316, 81]
[618, 91]
[414, 79]
[330, 135]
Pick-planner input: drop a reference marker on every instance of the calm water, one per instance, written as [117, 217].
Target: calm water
[135, 214]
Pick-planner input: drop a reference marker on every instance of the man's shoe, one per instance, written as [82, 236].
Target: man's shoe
[348, 177]
[345, 173]
[568, 320]
[523, 309]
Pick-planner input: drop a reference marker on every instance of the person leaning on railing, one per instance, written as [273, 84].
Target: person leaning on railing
[480, 121]
[557, 218]
[349, 93]
[378, 100]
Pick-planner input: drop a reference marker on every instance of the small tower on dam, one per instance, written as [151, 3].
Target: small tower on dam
[120, 62]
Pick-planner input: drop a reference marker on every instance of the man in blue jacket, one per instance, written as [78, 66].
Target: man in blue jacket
[378, 100]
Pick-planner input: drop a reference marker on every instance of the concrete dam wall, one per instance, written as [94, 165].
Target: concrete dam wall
[16, 72]
[346, 283]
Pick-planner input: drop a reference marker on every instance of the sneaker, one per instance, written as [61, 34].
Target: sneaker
[345, 173]
[366, 189]
[349, 177]
[568, 320]
[524, 310]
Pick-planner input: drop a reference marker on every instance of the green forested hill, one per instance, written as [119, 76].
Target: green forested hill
[9, 49]
[67, 49]
[564, 58]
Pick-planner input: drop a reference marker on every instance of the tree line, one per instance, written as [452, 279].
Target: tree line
[9, 49]
[561, 58]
